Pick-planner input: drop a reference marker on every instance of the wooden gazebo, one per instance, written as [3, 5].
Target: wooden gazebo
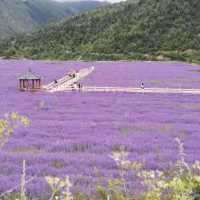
[29, 81]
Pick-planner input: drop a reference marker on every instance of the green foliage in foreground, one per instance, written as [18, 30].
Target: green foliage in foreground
[136, 29]
[9, 124]
[181, 182]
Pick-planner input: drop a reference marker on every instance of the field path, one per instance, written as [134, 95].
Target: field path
[140, 90]
[135, 90]
[68, 83]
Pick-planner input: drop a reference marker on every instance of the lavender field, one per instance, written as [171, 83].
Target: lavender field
[73, 133]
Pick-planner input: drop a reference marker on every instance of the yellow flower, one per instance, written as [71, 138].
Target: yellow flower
[25, 121]
[197, 178]
[52, 181]
[3, 124]
[14, 116]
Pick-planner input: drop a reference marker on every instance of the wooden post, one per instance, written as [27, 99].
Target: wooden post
[20, 84]
[24, 84]
[28, 84]
[39, 83]
[33, 84]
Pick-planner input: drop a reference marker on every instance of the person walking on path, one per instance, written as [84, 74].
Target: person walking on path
[142, 85]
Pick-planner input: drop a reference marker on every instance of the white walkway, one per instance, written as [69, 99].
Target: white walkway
[136, 90]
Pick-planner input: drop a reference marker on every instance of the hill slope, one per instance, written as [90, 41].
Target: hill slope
[129, 28]
[24, 15]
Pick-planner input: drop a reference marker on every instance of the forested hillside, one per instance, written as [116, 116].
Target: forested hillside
[18, 16]
[149, 29]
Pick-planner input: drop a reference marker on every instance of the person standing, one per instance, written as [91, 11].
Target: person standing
[142, 85]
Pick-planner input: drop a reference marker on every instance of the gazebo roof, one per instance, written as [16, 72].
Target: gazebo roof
[29, 75]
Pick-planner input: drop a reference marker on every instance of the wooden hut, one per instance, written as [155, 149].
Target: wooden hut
[29, 81]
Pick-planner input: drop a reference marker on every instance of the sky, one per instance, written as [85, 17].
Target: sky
[112, 1]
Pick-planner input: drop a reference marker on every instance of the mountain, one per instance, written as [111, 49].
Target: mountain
[143, 29]
[18, 16]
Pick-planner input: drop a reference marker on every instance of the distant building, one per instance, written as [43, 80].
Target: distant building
[29, 81]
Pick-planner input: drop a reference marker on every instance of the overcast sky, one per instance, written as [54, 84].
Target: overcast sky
[113, 1]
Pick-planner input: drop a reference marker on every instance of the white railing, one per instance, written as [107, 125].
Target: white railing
[65, 82]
